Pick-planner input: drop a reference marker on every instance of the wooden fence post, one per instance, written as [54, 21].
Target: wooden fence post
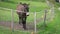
[45, 14]
[35, 22]
[12, 21]
[59, 1]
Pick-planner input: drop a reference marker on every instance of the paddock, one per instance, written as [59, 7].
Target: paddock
[9, 19]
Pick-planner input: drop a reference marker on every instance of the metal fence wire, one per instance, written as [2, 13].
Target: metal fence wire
[9, 19]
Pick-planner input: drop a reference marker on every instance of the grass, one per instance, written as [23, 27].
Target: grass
[6, 16]
[53, 27]
[33, 6]
[4, 30]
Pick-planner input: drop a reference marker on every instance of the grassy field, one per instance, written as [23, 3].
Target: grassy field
[33, 6]
[5, 30]
[6, 16]
[53, 27]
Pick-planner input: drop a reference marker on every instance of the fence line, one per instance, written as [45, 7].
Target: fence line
[12, 15]
[12, 21]
[20, 11]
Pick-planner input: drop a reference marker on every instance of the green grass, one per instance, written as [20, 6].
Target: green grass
[39, 6]
[53, 27]
[4, 30]
[5, 15]
[33, 6]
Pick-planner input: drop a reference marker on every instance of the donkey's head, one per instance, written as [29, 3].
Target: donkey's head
[26, 6]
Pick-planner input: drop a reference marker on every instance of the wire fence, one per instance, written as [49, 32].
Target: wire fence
[9, 18]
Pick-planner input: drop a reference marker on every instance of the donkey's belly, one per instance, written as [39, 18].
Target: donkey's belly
[21, 14]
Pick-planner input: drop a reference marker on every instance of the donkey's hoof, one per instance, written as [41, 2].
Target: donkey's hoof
[25, 29]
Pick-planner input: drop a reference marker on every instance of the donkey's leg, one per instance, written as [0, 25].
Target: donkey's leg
[24, 23]
[20, 20]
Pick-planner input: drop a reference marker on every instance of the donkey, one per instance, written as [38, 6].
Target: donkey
[22, 11]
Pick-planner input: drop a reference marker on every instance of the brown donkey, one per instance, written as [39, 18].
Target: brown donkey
[22, 11]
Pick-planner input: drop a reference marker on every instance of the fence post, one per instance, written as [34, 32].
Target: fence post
[45, 18]
[12, 21]
[35, 22]
[59, 1]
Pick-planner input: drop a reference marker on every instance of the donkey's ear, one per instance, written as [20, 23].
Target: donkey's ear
[20, 2]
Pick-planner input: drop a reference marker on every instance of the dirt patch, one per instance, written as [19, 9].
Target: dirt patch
[16, 26]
